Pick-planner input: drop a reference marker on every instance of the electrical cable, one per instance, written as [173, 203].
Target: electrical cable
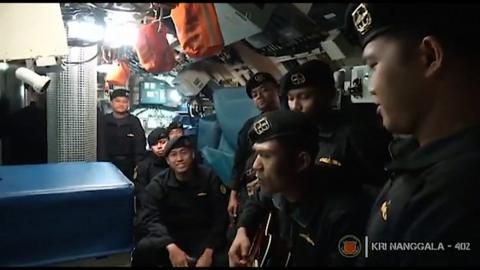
[86, 61]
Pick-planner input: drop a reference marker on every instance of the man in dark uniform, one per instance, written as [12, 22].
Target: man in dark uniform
[425, 81]
[310, 89]
[152, 165]
[315, 209]
[264, 91]
[124, 135]
[175, 130]
[184, 213]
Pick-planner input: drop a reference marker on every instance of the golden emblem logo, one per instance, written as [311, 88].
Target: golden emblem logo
[330, 161]
[362, 19]
[384, 210]
[261, 126]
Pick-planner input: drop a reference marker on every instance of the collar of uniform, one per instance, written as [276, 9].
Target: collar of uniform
[173, 182]
[160, 161]
[467, 140]
[325, 132]
[303, 212]
[329, 124]
[109, 118]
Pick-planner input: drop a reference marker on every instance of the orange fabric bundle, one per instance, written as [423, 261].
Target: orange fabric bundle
[120, 75]
[197, 28]
[153, 50]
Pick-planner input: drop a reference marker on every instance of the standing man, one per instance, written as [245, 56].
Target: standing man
[310, 89]
[425, 81]
[175, 130]
[124, 135]
[264, 91]
[184, 213]
[315, 209]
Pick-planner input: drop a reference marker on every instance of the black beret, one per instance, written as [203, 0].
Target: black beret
[178, 142]
[314, 73]
[369, 20]
[282, 123]
[258, 79]
[119, 93]
[174, 125]
[156, 134]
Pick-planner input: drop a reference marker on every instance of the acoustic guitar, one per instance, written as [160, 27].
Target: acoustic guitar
[267, 248]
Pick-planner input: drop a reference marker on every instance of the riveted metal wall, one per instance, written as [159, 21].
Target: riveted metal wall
[71, 109]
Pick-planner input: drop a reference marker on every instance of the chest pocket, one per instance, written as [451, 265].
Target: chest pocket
[193, 203]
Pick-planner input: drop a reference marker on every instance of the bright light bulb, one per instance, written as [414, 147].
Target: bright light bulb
[106, 68]
[175, 96]
[88, 31]
[117, 35]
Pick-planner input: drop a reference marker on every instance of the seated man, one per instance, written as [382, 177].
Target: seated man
[184, 212]
[153, 164]
[313, 217]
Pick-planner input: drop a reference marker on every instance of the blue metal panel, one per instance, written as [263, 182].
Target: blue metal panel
[53, 213]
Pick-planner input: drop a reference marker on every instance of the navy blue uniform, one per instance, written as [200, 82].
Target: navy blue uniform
[146, 170]
[341, 145]
[125, 142]
[313, 227]
[432, 198]
[191, 214]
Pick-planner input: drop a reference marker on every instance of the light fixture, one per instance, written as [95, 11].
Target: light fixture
[85, 30]
[117, 35]
[106, 68]
[175, 96]
[38, 82]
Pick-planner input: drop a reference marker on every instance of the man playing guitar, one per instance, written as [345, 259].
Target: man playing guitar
[313, 210]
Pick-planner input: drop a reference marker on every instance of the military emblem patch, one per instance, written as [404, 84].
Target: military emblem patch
[223, 189]
[362, 19]
[261, 126]
[297, 78]
[259, 77]
[349, 246]
[384, 210]
[329, 161]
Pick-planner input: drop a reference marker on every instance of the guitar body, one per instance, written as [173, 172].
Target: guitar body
[267, 248]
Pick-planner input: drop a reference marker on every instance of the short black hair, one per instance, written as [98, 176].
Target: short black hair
[174, 125]
[292, 145]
